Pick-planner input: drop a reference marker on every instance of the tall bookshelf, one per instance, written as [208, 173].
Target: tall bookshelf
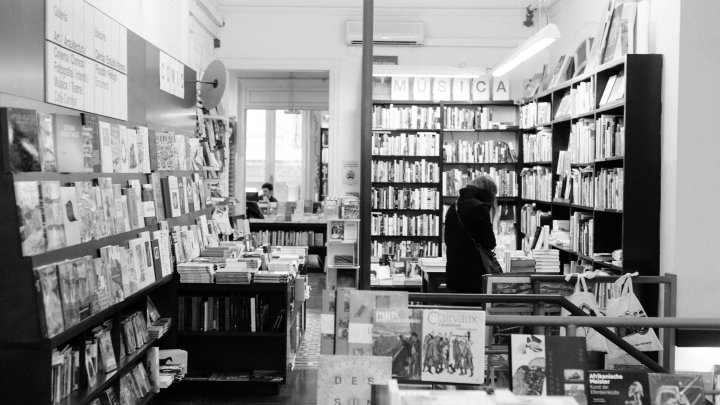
[633, 224]
[456, 142]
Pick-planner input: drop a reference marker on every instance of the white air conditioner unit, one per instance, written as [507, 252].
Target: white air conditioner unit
[387, 33]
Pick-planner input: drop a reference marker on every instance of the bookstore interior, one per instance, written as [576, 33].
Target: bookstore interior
[245, 201]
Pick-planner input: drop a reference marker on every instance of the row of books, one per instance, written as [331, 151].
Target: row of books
[582, 228]
[78, 366]
[582, 185]
[537, 147]
[183, 195]
[343, 230]
[406, 117]
[36, 141]
[581, 145]
[531, 218]
[536, 183]
[228, 313]
[404, 225]
[424, 198]
[73, 290]
[468, 118]
[288, 238]
[609, 184]
[211, 129]
[404, 248]
[418, 171]
[583, 97]
[406, 144]
[565, 106]
[490, 151]
[535, 113]
[456, 179]
[610, 136]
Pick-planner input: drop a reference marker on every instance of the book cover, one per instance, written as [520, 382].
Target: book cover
[46, 142]
[92, 122]
[362, 304]
[102, 284]
[106, 147]
[158, 196]
[453, 346]
[565, 365]
[129, 271]
[685, 388]
[527, 364]
[120, 218]
[381, 87]
[349, 379]
[171, 195]
[84, 290]
[30, 219]
[68, 293]
[105, 201]
[116, 149]
[51, 302]
[69, 143]
[618, 387]
[116, 263]
[327, 322]
[107, 351]
[337, 230]
[143, 149]
[351, 231]
[20, 144]
[342, 320]
[181, 196]
[87, 148]
[53, 212]
[148, 205]
[127, 396]
[132, 155]
[124, 146]
[86, 210]
[190, 195]
[166, 151]
[71, 217]
[396, 333]
[618, 88]
[182, 161]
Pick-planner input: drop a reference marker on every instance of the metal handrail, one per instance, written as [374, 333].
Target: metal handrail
[578, 317]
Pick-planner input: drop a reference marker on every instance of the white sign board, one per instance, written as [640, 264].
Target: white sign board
[172, 75]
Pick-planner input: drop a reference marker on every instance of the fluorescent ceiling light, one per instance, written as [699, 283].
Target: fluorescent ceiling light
[536, 43]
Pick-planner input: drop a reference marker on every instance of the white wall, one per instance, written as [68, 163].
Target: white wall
[681, 32]
[313, 38]
[169, 25]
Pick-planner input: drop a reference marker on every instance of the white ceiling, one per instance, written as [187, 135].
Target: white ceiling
[390, 4]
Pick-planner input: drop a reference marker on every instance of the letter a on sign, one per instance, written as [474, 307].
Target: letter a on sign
[501, 89]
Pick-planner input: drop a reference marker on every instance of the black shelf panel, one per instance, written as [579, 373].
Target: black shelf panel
[101, 316]
[125, 365]
[610, 159]
[404, 184]
[506, 130]
[116, 177]
[562, 120]
[405, 157]
[380, 130]
[531, 201]
[586, 114]
[238, 384]
[246, 288]
[543, 163]
[581, 164]
[610, 106]
[406, 210]
[582, 207]
[500, 199]
[561, 203]
[395, 287]
[479, 164]
[271, 226]
[566, 250]
[198, 334]
[609, 210]
[395, 237]
[451, 103]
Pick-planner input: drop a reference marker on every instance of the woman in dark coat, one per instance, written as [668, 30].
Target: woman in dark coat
[476, 206]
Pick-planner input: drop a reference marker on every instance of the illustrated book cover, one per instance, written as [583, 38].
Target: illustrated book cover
[397, 333]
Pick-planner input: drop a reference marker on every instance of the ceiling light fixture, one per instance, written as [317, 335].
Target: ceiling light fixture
[536, 43]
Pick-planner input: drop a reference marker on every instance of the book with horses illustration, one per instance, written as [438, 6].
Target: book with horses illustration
[453, 346]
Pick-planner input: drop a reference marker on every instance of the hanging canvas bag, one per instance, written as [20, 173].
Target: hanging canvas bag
[627, 305]
[585, 300]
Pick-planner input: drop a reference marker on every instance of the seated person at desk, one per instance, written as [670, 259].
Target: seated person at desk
[267, 193]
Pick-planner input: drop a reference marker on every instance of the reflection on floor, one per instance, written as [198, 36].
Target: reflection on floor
[301, 388]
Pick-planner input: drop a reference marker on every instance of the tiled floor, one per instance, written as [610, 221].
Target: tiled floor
[302, 381]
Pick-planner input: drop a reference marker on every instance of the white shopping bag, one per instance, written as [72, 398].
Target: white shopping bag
[585, 300]
[627, 306]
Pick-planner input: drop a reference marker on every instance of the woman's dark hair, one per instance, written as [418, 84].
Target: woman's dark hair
[267, 186]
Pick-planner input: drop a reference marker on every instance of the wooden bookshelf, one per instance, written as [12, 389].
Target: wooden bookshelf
[634, 227]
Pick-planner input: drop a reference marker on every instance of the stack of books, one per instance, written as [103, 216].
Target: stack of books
[216, 251]
[521, 265]
[193, 272]
[159, 328]
[432, 263]
[547, 261]
[283, 265]
[233, 274]
[272, 277]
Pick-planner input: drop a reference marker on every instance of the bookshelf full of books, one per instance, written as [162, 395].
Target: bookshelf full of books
[424, 148]
[600, 190]
[99, 211]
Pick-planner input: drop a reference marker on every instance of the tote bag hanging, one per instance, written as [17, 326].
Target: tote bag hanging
[627, 305]
[585, 300]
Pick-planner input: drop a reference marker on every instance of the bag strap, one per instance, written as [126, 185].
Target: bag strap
[462, 225]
